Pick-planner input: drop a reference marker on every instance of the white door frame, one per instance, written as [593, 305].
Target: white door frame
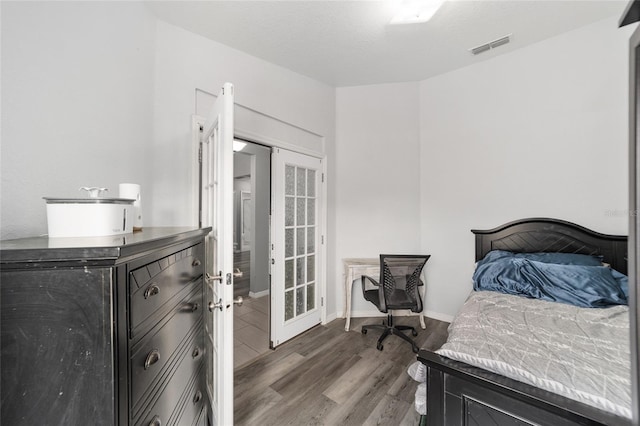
[322, 208]
[197, 121]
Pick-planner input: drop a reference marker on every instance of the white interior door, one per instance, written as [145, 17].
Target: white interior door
[296, 283]
[216, 211]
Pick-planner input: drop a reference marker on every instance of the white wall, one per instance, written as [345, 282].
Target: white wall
[241, 165]
[377, 174]
[77, 81]
[541, 131]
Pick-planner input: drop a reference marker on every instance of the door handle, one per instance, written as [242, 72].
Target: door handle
[238, 301]
[237, 273]
[210, 278]
[217, 305]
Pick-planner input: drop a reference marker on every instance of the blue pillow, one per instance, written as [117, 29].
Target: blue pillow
[579, 285]
[557, 258]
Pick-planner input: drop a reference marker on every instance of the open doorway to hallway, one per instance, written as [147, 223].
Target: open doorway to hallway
[252, 199]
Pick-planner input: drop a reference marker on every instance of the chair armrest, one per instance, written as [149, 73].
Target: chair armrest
[373, 281]
[380, 290]
[363, 282]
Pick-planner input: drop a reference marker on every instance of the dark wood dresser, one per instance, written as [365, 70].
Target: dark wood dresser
[103, 331]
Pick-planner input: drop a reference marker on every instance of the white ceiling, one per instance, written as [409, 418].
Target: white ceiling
[348, 43]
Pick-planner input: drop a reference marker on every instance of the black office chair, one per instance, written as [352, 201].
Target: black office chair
[400, 279]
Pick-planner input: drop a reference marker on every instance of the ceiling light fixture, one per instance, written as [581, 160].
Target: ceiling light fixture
[238, 146]
[416, 11]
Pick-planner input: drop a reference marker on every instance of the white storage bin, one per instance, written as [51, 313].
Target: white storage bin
[89, 217]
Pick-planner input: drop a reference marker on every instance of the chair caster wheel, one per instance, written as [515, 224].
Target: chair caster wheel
[414, 333]
[364, 331]
[379, 346]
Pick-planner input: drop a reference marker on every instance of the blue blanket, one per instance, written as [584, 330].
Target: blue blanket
[579, 285]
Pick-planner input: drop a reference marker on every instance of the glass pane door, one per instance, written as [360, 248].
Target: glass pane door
[296, 202]
[300, 237]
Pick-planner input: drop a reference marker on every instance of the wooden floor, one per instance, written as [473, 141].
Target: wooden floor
[331, 377]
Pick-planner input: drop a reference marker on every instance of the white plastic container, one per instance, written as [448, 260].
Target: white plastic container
[89, 217]
[132, 191]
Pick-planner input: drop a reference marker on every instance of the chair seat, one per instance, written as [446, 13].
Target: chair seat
[398, 299]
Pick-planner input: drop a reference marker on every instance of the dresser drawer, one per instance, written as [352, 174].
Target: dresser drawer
[153, 357]
[157, 283]
[194, 402]
[189, 261]
[177, 392]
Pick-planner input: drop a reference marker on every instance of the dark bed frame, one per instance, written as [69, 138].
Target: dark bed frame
[460, 394]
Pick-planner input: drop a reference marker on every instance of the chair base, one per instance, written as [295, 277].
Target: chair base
[389, 329]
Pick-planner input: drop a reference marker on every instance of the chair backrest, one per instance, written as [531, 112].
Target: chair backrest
[400, 279]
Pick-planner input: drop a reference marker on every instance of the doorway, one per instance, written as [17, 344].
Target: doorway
[252, 195]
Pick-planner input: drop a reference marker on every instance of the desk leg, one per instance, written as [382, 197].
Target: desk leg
[348, 282]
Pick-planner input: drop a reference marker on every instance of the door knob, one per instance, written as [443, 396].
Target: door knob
[237, 273]
[238, 301]
[210, 278]
[217, 305]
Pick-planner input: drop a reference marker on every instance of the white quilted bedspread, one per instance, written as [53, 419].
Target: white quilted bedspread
[580, 353]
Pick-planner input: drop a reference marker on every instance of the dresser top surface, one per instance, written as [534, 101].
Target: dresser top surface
[108, 247]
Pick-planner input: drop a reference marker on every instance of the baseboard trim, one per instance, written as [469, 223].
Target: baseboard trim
[438, 316]
[330, 317]
[258, 294]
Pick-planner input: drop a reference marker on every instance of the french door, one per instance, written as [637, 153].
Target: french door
[295, 283]
[216, 211]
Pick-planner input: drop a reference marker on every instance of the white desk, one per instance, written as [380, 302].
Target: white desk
[354, 268]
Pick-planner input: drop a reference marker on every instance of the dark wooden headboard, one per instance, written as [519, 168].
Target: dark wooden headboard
[552, 235]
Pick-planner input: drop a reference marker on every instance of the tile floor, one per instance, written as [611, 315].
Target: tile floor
[251, 330]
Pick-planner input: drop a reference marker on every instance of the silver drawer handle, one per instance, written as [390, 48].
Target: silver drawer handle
[196, 262]
[152, 290]
[197, 397]
[155, 421]
[152, 358]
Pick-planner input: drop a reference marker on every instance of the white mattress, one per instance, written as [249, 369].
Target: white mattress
[580, 353]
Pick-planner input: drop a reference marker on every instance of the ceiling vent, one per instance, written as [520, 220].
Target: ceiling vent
[491, 45]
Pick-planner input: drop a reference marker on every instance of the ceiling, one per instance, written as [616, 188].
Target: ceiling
[349, 43]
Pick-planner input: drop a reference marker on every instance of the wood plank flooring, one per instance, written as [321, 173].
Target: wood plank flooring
[327, 376]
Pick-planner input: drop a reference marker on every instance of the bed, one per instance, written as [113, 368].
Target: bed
[469, 391]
